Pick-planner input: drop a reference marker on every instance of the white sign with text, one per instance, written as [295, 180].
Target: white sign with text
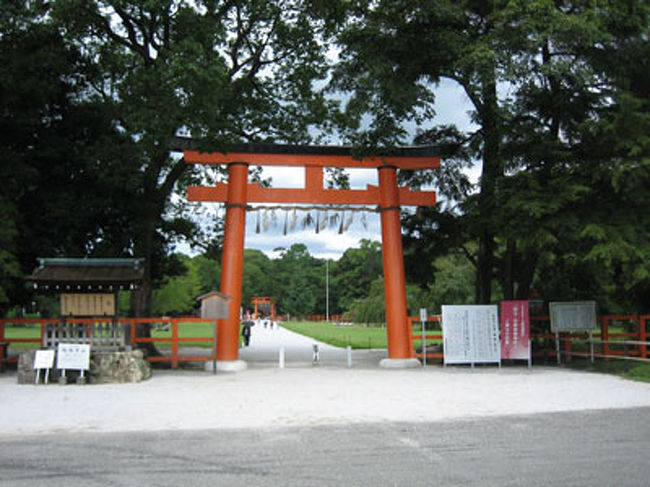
[471, 334]
[73, 356]
[44, 359]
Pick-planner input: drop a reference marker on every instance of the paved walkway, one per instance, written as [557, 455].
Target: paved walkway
[265, 396]
[266, 342]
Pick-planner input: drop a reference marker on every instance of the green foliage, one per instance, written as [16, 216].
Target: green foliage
[354, 273]
[296, 273]
[559, 91]
[94, 90]
[371, 309]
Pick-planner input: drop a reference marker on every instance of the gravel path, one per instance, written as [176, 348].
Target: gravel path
[303, 394]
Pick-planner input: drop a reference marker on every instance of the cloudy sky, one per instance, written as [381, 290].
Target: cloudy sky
[452, 106]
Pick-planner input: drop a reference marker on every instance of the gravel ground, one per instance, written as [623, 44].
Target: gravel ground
[303, 394]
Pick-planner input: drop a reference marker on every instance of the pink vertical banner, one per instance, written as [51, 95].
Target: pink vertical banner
[515, 330]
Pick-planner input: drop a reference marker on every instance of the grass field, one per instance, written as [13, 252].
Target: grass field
[357, 336]
[29, 331]
[623, 368]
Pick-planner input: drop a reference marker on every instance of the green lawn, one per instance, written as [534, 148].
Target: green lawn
[357, 336]
[23, 332]
[185, 330]
[628, 369]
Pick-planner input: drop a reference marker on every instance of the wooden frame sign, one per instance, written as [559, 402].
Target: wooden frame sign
[88, 304]
[573, 316]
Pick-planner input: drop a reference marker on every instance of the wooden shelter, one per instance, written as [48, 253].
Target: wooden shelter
[88, 297]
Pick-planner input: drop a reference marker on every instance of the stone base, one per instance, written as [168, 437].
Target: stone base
[105, 368]
[227, 366]
[118, 367]
[399, 363]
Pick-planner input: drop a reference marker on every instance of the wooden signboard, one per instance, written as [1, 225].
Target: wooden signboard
[214, 305]
[88, 304]
[573, 316]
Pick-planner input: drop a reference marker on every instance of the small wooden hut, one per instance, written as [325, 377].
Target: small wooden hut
[88, 296]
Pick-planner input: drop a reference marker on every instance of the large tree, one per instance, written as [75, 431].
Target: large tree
[65, 188]
[531, 73]
[223, 71]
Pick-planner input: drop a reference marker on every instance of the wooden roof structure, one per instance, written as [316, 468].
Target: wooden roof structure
[87, 275]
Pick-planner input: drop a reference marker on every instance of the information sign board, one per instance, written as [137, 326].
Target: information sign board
[515, 330]
[573, 316]
[470, 334]
[88, 304]
[44, 359]
[423, 315]
[73, 356]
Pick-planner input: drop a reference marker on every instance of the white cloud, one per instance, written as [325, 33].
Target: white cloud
[326, 244]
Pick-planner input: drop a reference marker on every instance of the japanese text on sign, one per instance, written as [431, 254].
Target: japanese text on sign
[73, 356]
[470, 334]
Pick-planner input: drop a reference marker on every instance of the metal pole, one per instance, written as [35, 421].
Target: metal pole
[327, 290]
[424, 343]
[557, 346]
[591, 347]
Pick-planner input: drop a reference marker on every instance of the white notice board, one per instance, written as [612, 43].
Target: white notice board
[73, 356]
[44, 359]
[470, 334]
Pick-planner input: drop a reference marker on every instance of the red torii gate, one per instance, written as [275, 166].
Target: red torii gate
[260, 302]
[238, 193]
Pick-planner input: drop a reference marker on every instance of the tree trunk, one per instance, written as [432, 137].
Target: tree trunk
[492, 171]
[140, 303]
[526, 275]
[508, 278]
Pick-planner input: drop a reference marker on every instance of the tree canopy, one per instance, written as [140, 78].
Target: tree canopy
[93, 92]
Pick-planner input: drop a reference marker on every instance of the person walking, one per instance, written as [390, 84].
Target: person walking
[246, 333]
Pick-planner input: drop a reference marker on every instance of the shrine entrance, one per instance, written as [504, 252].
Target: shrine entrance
[237, 193]
[263, 305]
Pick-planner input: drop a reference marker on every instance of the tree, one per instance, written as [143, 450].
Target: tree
[296, 283]
[354, 273]
[393, 54]
[61, 154]
[542, 92]
[178, 295]
[223, 71]
[258, 278]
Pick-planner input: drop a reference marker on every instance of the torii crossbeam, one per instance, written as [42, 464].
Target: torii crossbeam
[389, 198]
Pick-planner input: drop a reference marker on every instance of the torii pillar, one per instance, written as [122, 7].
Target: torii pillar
[388, 197]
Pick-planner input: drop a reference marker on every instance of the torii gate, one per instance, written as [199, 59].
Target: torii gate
[263, 301]
[238, 193]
